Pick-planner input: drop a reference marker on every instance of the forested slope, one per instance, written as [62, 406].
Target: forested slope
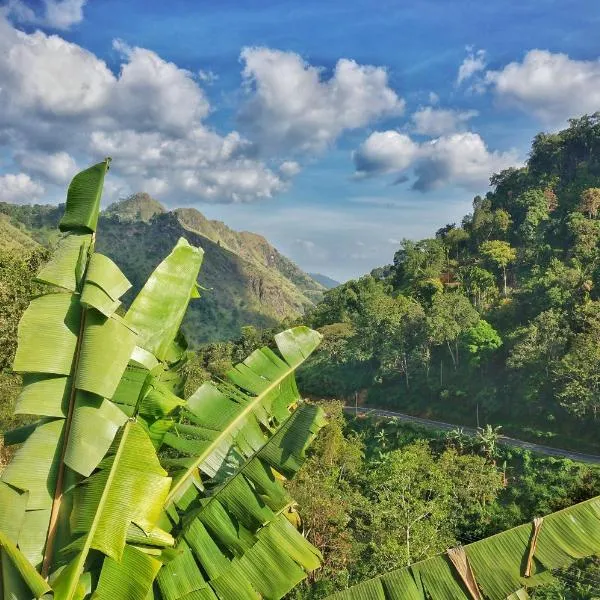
[495, 318]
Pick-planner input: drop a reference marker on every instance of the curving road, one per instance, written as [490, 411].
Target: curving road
[508, 441]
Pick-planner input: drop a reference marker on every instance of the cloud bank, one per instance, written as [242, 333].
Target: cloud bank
[551, 86]
[461, 159]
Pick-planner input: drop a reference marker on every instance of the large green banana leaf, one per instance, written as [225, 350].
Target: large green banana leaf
[72, 350]
[84, 494]
[498, 563]
[238, 441]
[238, 535]
[231, 418]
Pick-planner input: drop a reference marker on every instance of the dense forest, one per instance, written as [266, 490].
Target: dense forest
[493, 321]
[496, 319]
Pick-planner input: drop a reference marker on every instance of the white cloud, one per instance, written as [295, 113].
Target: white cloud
[289, 168]
[433, 98]
[19, 189]
[156, 93]
[385, 152]
[61, 14]
[56, 168]
[292, 107]
[551, 86]
[207, 77]
[472, 64]
[58, 14]
[439, 121]
[60, 103]
[460, 159]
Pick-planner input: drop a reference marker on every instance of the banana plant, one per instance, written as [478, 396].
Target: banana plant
[89, 507]
[501, 567]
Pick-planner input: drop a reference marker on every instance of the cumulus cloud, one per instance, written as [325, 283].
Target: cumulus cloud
[474, 62]
[61, 103]
[439, 121]
[460, 159]
[57, 14]
[56, 168]
[385, 152]
[19, 188]
[551, 86]
[292, 107]
[289, 168]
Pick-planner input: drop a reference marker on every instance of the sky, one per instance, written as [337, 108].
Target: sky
[335, 129]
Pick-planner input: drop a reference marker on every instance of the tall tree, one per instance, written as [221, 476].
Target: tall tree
[450, 316]
[501, 254]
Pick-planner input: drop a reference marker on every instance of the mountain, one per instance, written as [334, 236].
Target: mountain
[494, 319]
[327, 282]
[139, 207]
[251, 247]
[246, 281]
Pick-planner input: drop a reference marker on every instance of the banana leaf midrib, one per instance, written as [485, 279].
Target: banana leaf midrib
[74, 581]
[231, 427]
[239, 473]
[58, 492]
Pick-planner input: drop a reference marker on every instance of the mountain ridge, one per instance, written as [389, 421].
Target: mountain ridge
[246, 280]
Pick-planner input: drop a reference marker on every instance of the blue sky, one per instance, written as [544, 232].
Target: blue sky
[333, 128]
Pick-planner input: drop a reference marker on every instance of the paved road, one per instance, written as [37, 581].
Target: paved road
[508, 441]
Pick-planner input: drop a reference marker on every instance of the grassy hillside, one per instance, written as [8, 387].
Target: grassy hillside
[250, 246]
[246, 280]
[236, 293]
[13, 238]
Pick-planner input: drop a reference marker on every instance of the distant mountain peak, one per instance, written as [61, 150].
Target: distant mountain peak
[138, 207]
[324, 280]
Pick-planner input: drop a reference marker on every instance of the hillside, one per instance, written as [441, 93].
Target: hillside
[325, 281]
[495, 319]
[13, 238]
[252, 247]
[246, 280]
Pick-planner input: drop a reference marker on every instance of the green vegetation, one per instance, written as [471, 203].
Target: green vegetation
[246, 281]
[377, 495]
[495, 319]
[121, 488]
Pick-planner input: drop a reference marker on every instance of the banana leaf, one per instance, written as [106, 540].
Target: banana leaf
[498, 562]
[231, 418]
[72, 357]
[159, 308]
[129, 487]
[83, 499]
[236, 536]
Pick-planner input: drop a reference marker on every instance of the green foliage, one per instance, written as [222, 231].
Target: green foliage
[364, 470]
[86, 505]
[525, 267]
[481, 340]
